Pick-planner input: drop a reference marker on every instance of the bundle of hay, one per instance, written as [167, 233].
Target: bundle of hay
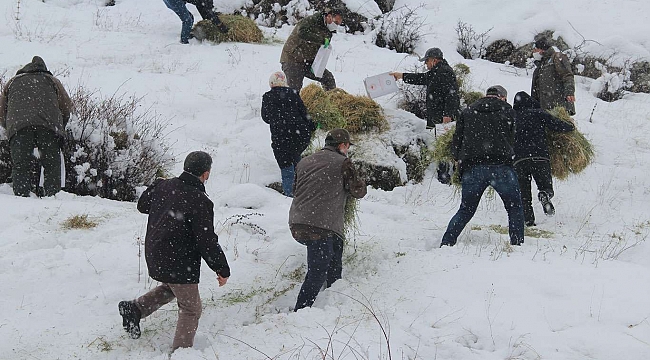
[442, 153]
[338, 109]
[570, 152]
[240, 29]
[350, 216]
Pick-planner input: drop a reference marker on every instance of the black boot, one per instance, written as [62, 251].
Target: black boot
[547, 205]
[130, 318]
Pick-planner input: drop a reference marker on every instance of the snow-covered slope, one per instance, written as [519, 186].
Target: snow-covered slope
[581, 293]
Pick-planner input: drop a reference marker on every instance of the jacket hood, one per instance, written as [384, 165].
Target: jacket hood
[37, 65]
[524, 101]
[488, 104]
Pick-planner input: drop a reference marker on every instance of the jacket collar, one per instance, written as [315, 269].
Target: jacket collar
[192, 180]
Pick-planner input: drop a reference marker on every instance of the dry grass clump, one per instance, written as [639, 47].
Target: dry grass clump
[570, 152]
[241, 29]
[350, 216]
[338, 109]
[78, 222]
[442, 153]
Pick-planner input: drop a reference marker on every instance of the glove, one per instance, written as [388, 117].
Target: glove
[222, 27]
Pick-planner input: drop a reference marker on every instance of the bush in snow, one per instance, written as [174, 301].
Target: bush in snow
[112, 147]
[413, 98]
[398, 30]
[471, 45]
[611, 85]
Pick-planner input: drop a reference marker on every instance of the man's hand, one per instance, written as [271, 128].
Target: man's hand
[396, 75]
[222, 280]
[571, 98]
[446, 119]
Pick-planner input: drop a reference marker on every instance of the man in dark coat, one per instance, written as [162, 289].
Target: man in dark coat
[302, 45]
[34, 110]
[443, 96]
[291, 127]
[553, 83]
[483, 146]
[180, 231]
[205, 8]
[324, 181]
[532, 159]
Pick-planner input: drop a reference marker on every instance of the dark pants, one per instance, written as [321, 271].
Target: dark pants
[178, 7]
[189, 309]
[529, 169]
[475, 180]
[296, 72]
[324, 266]
[26, 171]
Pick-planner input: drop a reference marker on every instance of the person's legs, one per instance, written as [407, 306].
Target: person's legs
[49, 146]
[22, 146]
[206, 9]
[178, 7]
[189, 312]
[319, 255]
[336, 263]
[472, 188]
[505, 184]
[154, 299]
[288, 174]
[542, 175]
[522, 169]
[286, 161]
[327, 80]
[295, 74]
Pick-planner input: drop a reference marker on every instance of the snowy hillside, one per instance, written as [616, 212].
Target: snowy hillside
[577, 289]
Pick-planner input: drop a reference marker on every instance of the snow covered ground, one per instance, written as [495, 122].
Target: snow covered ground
[580, 293]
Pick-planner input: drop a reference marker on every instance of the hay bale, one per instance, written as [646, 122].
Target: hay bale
[570, 152]
[338, 109]
[240, 29]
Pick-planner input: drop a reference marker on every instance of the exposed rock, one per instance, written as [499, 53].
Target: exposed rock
[499, 51]
[640, 76]
[520, 56]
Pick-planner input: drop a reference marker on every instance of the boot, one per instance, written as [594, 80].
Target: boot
[547, 205]
[130, 318]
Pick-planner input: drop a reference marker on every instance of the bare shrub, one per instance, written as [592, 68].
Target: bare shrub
[413, 98]
[471, 45]
[111, 147]
[399, 30]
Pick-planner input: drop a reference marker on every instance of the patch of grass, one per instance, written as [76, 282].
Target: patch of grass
[528, 231]
[101, 344]
[239, 296]
[475, 227]
[78, 222]
[400, 254]
[296, 275]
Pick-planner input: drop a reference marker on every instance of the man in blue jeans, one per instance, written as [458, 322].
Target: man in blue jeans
[324, 181]
[205, 8]
[483, 147]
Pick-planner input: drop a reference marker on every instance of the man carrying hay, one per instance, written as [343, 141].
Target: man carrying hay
[205, 8]
[443, 99]
[302, 45]
[553, 83]
[291, 127]
[532, 158]
[482, 145]
[324, 181]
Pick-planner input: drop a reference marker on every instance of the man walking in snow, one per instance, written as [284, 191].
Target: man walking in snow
[302, 45]
[532, 158]
[205, 8]
[324, 181]
[34, 110]
[553, 83]
[180, 231]
[483, 147]
[443, 97]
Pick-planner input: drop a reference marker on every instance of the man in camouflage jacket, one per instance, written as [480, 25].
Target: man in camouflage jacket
[553, 84]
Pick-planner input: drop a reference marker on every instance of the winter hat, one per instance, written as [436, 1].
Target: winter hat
[197, 162]
[337, 136]
[497, 90]
[278, 79]
[542, 43]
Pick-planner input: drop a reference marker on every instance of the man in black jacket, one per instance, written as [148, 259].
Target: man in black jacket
[291, 127]
[532, 159]
[443, 97]
[180, 231]
[482, 145]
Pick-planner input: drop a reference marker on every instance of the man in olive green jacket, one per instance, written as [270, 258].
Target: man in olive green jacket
[302, 45]
[34, 109]
[553, 84]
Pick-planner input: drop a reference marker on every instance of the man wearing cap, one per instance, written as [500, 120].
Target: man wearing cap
[324, 180]
[553, 83]
[302, 45]
[483, 147]
[291, 127]
[34, 110]
[180, 231]
[443, 97]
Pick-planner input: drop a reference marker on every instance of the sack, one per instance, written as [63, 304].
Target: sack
[320, 61]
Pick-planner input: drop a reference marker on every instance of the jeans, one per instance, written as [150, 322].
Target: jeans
[475, 180]
[324, 266]
[529, 169]
[178, 6]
